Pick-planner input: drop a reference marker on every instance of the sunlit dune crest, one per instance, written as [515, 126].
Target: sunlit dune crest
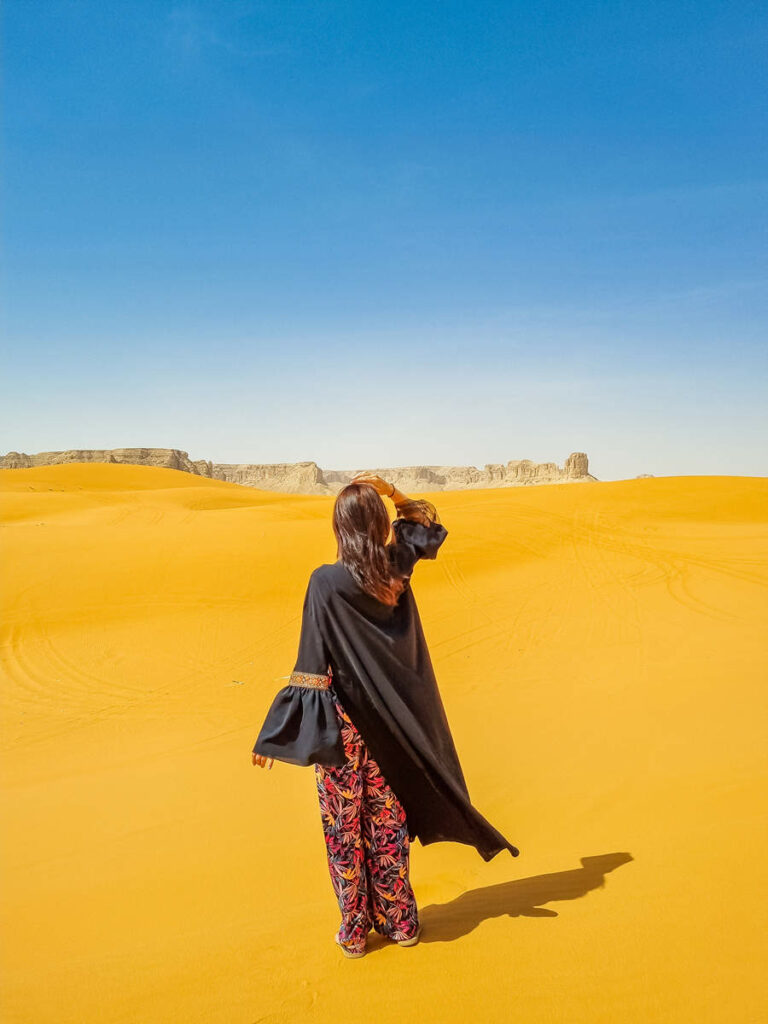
[602, 659]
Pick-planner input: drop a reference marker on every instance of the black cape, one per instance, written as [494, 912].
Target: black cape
[374, 659]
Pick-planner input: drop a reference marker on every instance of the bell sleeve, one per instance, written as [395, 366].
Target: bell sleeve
[418, 533]
[301, 726]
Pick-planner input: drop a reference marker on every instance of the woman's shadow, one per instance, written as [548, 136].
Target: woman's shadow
[442, 922]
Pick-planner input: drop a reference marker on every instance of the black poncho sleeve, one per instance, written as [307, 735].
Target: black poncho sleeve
[417, 537]
[301, 726]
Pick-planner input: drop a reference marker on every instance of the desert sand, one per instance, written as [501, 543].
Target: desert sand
[600, 656]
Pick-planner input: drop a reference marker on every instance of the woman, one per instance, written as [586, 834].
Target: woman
[362, 705]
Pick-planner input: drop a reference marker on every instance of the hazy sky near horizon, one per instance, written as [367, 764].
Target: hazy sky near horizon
[377, 234]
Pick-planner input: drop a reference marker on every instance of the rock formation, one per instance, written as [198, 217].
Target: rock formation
[308, 478]
[168, 458]
[292, 477]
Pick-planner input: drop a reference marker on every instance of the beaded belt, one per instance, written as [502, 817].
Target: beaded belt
[312, 679]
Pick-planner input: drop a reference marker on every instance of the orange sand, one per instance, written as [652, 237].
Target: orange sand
[599, 652]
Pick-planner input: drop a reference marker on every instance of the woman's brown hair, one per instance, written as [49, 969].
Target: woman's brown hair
[361, 524]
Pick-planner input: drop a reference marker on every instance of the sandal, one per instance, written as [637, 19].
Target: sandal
[412, 941]
[348, 952]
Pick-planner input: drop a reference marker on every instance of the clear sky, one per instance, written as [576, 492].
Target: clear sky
[374, 234]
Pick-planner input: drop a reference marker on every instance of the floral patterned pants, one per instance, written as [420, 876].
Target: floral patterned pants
[367, 844]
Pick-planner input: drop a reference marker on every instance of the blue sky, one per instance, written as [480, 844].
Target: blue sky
[377, 234]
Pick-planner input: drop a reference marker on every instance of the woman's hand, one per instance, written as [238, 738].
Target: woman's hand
[383, 488]
[261, 760]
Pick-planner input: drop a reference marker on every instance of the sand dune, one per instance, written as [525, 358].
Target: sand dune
[602, 665]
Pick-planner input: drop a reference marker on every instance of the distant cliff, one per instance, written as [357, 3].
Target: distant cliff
[308, 478]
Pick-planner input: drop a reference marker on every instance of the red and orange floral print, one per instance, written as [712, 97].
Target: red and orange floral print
[367, 843]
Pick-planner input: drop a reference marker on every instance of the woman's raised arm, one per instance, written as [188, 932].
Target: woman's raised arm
[417, 509]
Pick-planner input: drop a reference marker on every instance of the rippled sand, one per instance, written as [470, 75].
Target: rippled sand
[600, 655]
